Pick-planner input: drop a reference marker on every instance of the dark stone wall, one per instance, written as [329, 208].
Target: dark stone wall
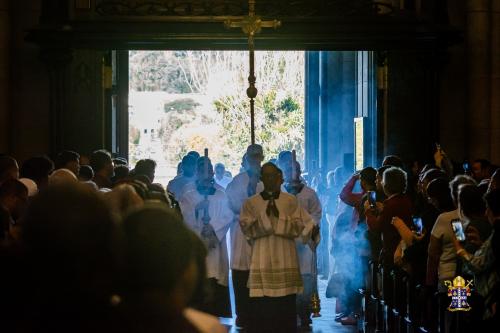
[29, 126]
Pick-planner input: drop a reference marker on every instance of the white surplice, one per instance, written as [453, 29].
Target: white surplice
[192, 186]
[176, 185]
[308, 199]
[221, 218]
[237, 193]
[274, 268]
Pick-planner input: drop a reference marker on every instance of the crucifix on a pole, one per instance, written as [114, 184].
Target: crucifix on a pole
[252, 25]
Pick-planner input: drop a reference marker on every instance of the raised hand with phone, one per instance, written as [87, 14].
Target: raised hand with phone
[442, 161]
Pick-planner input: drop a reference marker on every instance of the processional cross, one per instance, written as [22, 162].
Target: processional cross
[252, 25]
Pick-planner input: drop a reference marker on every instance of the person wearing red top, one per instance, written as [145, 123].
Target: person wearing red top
[397, 204]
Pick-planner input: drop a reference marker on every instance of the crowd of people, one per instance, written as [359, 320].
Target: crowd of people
[90, 243]
[427, 225]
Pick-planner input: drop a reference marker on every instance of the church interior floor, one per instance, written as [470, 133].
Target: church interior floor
[323, 324]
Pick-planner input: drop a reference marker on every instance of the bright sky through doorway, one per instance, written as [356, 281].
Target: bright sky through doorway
[188, 100]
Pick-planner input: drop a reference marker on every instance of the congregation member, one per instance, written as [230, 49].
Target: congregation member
[206, 211]
[481, 170]
[358, 252]
[442, 259]
[484, 263]
[380, 219]
[122, 174]
[68, 159]
[67, 242]
[145, 167]
[8, 168]
[38, 169]
[271, 215]
[308, 200]
[86, 173]
[160, 282]
[13, 201]
[272, 220]
[103, 168]
[244, 185]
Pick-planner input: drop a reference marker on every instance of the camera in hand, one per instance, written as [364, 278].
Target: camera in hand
[458, 229]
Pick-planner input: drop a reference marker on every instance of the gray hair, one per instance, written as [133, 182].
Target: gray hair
[455, 184]
[394, 181]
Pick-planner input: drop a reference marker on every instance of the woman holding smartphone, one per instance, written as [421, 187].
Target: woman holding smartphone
[483, 263]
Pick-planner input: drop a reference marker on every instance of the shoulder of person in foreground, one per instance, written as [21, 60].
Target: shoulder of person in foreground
[204, 322]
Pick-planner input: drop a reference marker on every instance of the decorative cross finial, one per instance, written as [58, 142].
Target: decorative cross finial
[252, 25]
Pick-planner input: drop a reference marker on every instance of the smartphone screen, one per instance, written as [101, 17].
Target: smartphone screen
[372, 198]
[458, 230]
[417, 223]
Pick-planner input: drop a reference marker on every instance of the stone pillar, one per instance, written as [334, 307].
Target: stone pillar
[324, 87]
[478, 78]
[348, 107]
[4, 76]
[332, 123]
[311, 113]
[495, 82]
[57, 61]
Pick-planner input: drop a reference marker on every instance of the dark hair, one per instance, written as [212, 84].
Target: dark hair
[154, 238]
[285, 154]
[13, 187]
[65, 157]
[86, 172]
[7, 163]
[492, 199]
[145, 167]
[195, 154]
[68, 232]
[485, 164]
[380, 171]
[272, 165]
[143, 179]
[394, 180]
[393, 160]
[456, 182]
[99, 159]
[439, 190]
[37, 168]
[121, 172]
[189, 161]
[471, 200]
[368, 175]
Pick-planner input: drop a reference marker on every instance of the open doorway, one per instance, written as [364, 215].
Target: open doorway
[190, 100]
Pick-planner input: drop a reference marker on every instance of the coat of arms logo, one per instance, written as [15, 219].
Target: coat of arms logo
[458, 291]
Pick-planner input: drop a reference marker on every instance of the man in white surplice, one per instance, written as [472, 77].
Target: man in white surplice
[308, 199]
[205, 209]
[271, 221]
[243, 186]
